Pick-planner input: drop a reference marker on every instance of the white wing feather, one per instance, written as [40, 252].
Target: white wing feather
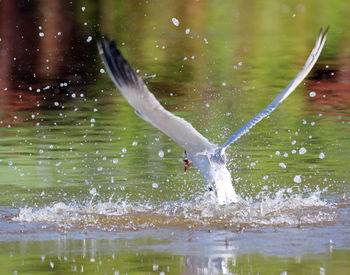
[310, 62]
[146, 105]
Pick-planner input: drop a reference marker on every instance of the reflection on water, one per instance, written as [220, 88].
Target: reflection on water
[41, 61]
[331, 89]
[189, 254]
[77, 163]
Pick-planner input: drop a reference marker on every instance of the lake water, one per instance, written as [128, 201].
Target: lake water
[86, 186]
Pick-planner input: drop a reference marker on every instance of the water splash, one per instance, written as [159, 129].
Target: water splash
[225, 193]
[278, 210]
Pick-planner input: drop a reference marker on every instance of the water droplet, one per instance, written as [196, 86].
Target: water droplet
[89, 39]
[321, 156]
[115, 160]
[93, 191]
[302, 151]
[312, 94]
[161, 154]
[282, 165]
[297, 179]
[175, 21]
[155, 185]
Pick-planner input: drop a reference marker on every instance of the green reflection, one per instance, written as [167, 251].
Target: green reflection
[333, 263]
[66, 257]
[88, 256]
[70, 148]
[234, 59]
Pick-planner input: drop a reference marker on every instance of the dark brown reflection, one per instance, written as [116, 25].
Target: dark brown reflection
[41, 55]
[332, 88]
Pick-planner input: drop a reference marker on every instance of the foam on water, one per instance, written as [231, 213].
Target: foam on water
[279, 210]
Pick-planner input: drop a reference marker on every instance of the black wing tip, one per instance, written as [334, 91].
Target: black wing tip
[324, 33]
[119, 69]
[326, 30]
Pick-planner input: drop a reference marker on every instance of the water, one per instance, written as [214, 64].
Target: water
[87, 186]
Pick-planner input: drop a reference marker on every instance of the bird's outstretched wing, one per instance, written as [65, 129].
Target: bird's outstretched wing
[310, 62]
[146, 105]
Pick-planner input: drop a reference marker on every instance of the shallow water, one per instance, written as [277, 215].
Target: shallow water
[87, 186]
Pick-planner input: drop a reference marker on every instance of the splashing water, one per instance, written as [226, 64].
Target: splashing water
[225, 193]
[279, 210]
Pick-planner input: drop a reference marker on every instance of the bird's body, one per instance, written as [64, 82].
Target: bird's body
[207, 157]
[215, 174]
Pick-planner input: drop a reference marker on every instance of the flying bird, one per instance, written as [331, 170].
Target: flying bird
[207, 157]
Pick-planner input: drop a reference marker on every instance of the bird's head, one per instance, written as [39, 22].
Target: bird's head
[187, 162]
[208, 163]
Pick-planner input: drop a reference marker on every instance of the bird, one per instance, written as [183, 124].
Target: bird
[207, 157]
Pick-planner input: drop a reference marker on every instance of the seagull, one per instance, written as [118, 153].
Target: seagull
[208, 158]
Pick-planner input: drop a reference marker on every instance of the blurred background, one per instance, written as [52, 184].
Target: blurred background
[67, 136]
[216, 64]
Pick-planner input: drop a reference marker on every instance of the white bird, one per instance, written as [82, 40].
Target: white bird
[209, 158]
